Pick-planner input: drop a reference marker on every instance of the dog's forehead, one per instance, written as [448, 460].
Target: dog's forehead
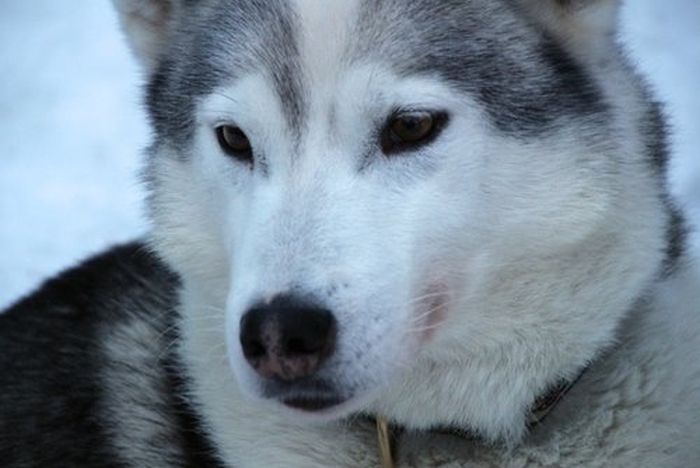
[279, 36]
[486, 49]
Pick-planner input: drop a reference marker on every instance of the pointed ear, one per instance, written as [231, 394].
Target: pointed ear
[147, 25]
[583, 24]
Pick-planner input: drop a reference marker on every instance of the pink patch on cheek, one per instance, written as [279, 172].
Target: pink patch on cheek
[432, 311]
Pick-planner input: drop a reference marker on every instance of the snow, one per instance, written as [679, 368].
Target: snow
[664, 38]
[72, 128]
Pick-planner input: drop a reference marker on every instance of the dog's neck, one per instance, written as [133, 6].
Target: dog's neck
[468, 407]
[388, 433]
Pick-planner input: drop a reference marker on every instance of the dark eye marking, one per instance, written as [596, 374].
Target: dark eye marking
[234, 142]
[406, 131]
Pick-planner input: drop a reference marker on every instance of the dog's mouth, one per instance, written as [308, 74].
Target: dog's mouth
[313, 396]
[311, 404]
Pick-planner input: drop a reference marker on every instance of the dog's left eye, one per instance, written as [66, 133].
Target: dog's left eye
[234, 142]
[406, 131]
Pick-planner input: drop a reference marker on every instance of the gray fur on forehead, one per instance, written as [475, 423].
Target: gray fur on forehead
[489, 49]
[215, 42]
[523, 78]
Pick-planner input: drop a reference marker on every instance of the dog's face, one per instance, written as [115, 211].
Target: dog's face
[382, 173]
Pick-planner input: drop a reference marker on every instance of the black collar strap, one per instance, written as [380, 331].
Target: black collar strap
[542, 407]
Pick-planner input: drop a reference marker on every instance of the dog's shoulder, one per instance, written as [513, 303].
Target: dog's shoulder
[87, 368]
[80, 292]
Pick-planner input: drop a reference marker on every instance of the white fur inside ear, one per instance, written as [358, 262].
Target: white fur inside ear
[146, 24]
[584, 25]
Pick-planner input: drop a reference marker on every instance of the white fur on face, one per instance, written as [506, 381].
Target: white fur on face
[449, 269]
[369, 236]
[334, 218]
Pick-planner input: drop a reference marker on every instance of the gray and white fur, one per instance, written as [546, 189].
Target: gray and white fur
[531, 241]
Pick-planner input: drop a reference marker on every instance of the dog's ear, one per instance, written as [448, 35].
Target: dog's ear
[147, 25]
[585, 24]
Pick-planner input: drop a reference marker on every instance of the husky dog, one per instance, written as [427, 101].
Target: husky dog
[447, 216]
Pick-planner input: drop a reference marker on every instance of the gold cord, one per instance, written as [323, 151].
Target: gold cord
[384, 439]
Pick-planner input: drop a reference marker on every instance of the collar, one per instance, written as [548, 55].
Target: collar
[541, 408]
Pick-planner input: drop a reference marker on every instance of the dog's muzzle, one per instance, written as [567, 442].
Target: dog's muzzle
[286, 341]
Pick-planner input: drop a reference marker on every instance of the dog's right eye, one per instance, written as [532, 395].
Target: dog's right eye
[410, 130]
[235, 143]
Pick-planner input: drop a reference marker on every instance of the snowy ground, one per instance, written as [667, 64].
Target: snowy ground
[71, 128]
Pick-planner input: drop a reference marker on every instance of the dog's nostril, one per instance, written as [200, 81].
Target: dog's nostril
[300, 346]
[251, 335]
[297, 346]
[307, 331]
[253, 349]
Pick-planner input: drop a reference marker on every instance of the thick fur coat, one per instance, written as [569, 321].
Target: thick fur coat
[526, 239]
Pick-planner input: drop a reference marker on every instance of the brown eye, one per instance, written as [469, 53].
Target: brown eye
[234, 142]
[406, 131]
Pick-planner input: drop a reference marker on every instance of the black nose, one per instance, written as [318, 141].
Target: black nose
[288, 338]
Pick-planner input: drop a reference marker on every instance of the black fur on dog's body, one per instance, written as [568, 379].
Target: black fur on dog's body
[52, 397]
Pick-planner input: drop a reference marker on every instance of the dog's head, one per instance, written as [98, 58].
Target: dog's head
[420, 207]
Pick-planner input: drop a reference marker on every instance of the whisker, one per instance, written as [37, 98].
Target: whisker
[423, 297]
